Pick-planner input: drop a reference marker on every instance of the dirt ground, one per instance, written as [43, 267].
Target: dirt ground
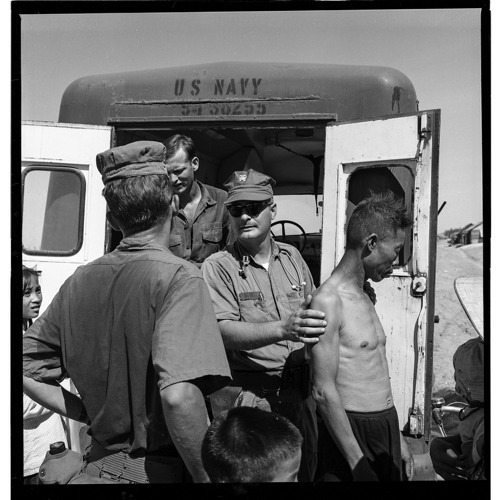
[454, 327]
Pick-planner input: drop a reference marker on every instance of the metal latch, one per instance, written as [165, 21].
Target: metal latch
[419, 286]
[416, 422]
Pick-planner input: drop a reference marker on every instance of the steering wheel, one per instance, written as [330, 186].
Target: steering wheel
[283, 236]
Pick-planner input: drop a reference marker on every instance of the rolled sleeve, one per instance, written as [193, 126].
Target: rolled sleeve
[222, 293]
[187, 344]
[42, 355]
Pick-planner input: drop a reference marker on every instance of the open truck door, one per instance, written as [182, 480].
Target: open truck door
[64, 213]
[400, 154]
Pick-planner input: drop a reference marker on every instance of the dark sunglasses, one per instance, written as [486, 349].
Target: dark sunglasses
[252, 209]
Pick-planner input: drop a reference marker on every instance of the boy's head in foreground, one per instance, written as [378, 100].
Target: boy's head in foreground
[246, 445]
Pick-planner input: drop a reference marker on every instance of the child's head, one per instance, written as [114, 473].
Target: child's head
[247, 445]
[32, 293]
[468, 362]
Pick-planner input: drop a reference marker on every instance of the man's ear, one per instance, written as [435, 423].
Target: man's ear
[112, 221]
[195, 162]
[274, 210]
[372, 242]
[174, 205]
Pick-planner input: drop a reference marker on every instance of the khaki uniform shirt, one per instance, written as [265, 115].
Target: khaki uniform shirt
[207, 233]
[256, 296]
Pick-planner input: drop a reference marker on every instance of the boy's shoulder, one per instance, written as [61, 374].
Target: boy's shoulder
[327, 295]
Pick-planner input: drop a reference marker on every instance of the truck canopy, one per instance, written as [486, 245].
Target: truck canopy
[348, 92]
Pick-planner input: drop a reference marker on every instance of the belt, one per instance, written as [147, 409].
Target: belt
[120, 466]
[262, 382]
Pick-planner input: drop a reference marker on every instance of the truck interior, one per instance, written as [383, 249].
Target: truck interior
[293, 155]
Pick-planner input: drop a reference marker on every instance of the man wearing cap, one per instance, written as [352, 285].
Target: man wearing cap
[200, 227]
[260, 291]
[136, 333]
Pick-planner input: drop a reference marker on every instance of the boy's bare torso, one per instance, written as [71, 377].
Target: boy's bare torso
[363, 377]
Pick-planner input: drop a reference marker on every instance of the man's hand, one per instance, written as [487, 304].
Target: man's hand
[407, 458]
[305, 325]
[464, 460]
[363, 471]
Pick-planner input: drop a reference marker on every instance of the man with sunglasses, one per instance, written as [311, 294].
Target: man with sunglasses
[200, 228]
[261, 290]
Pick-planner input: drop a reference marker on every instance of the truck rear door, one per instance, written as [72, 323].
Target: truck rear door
[64, 213]
[400, 154]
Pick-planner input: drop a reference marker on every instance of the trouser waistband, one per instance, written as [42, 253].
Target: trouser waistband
[374, 414]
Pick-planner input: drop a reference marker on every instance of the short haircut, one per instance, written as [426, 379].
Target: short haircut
[248, 445]
[141, 202]
[380, 213]
[179, 141]
[28, 274]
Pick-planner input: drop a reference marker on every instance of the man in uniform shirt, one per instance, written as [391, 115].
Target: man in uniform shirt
[136, 333]
[258, 287]
[200, 228]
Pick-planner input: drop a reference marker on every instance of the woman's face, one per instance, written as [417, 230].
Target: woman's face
[32, 299]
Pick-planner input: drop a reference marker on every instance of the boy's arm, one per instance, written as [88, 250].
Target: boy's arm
[325, 358]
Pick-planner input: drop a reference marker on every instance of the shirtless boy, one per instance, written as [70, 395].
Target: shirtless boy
[351, 382]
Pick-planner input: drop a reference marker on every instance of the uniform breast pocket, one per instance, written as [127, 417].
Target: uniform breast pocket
[211, 234]
[294, 300]
[174, 241]
[253, 308]
[176, 246]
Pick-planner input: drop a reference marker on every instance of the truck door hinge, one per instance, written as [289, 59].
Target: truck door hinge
[419, 286]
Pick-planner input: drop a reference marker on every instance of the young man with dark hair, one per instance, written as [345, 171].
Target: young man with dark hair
[351, 385]
[249, 445]
[200, 227]
[136, 333]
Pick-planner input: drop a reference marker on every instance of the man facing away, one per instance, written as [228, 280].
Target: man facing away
[136, 333]
[200, 227]
[258, 287]
[351, 383]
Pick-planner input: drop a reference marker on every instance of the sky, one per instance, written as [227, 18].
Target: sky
[439, 50]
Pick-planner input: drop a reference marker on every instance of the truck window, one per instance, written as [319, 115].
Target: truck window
[379, 178]
[53, 203]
